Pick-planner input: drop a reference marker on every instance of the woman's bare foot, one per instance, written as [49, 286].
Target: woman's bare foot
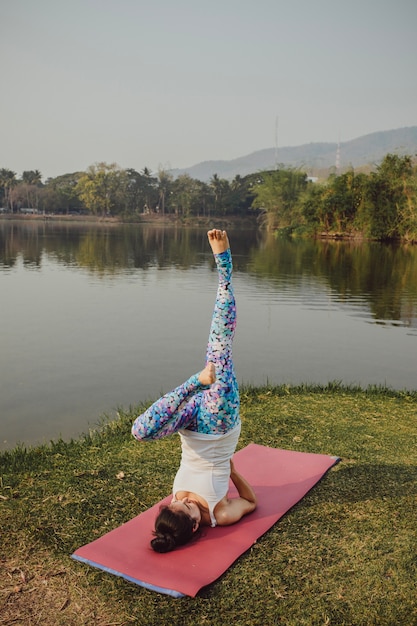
[218, 240]
[208, 375]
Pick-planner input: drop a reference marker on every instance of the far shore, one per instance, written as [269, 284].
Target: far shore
[193, 221]
[142, 218]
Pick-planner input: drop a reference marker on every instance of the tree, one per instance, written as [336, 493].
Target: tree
[311, 205]
[7, 182]
[165, 185]
[149, 186]
[387, 192]
[220, 188]
[133, 192]
[277, 193]
[32, 177]
[100, 188]
[141, 191]
[239, 198]
[24, 195]
[26, 192]
[185, 191]
[60, 194]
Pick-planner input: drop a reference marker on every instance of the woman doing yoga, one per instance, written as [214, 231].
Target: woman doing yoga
[205, 412]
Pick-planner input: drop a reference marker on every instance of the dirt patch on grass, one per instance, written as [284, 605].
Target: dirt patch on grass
[44, 591]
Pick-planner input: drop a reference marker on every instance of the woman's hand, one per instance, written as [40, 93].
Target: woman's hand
[244, 489]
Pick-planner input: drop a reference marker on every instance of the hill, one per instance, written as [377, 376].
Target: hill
[315, 158]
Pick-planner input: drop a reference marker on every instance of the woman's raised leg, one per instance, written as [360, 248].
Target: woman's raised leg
[219, 408]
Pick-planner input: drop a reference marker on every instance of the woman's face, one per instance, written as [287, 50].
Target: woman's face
[190, 507]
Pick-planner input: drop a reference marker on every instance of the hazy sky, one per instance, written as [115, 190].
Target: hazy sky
[172, 83]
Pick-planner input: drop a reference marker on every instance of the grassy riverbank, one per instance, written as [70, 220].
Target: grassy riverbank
[345, 555]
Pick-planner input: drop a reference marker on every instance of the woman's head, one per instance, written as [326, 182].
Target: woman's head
[175, 525]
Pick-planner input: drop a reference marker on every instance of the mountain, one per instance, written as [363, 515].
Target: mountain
[314, 158]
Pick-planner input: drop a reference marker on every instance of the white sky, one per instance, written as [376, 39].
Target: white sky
[170, 83]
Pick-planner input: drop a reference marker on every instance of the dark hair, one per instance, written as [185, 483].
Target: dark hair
[172, 529]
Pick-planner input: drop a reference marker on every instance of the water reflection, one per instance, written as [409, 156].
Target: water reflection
[100, 248]
[384, 277]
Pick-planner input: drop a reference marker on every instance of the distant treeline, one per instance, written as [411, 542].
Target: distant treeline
[379, 205]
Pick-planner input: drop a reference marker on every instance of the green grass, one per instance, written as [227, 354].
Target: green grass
[345, 555]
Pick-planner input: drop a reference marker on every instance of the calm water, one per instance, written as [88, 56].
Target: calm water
[97, 317]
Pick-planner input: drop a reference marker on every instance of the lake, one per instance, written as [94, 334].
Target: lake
[98, 316]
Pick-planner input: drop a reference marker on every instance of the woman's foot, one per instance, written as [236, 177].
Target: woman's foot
[208, 375]
[218, 241]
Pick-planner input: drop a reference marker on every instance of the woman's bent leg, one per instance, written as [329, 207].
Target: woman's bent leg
[173, 411]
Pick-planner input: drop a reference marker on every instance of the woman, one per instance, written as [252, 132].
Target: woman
[205, 412]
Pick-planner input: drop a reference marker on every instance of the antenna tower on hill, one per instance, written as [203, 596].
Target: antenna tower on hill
[337, 164]
[276, 142]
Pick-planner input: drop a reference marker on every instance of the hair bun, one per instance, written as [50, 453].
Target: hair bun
[163, 542]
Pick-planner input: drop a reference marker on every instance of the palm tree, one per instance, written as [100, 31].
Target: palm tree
[7, 182]
[32, 177]
[164, 188]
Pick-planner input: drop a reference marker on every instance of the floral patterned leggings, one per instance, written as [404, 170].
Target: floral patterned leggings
[210, 409]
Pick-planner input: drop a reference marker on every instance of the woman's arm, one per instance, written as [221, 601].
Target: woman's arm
[243, 487]
[231, 510]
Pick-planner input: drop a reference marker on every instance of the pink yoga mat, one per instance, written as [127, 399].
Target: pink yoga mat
[280, 479]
